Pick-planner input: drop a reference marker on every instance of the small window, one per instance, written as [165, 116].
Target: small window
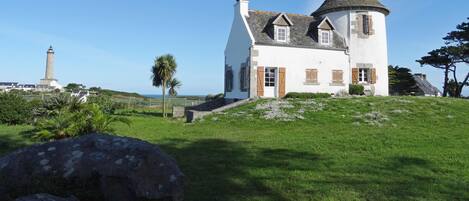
[244, 78]
[311, 76]
[366, 24]
[282, 34]
[229, 80]
[325, 37]
[364, 75]
[337, 77]
[270, 77]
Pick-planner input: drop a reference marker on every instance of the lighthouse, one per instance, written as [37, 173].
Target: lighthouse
[49, 82]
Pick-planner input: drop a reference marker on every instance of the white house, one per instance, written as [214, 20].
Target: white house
[343, 42]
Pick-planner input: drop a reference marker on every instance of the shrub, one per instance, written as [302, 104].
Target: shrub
[307, 95]
[14, 109]
[356, 89]
[211, 97]
[65, 124]
[106, 104]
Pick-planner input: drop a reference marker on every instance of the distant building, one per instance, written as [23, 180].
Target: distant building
[7, 86]
[425, 88]
[49, 83]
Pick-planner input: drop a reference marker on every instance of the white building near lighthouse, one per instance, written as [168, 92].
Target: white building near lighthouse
[270, 54]
[49, 83]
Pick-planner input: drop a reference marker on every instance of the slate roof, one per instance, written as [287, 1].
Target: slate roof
[338, 5]
[303, 33]
[426, 87]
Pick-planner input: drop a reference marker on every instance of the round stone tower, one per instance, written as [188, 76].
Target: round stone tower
[49, 82]
[50, 64]
[363, 25]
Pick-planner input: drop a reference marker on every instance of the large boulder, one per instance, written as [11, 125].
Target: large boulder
[93, 168]
[45, 197]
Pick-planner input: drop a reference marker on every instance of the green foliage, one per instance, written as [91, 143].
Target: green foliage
[66, 123]
[14, 109]
[173, 85]
[307, 95]
[57, 103]
[212, 97]
[105, 103]
[356, 89]
[163, 70]
[401, 81]
[74, 87]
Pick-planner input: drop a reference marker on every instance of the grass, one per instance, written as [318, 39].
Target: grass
[396, 148]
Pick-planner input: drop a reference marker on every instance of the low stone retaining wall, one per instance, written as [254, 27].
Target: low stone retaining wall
[220, 105]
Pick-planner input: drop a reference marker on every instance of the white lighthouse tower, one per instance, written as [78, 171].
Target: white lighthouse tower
[363, 25]
[49, 82]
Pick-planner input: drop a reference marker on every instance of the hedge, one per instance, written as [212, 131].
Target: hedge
[307, 95]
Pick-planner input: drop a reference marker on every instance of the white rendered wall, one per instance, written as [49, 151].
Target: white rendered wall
[238, 49]
[297, 60]
[372, 50]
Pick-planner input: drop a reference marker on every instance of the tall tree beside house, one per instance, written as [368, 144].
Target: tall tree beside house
[401, 81]
[163, 70]
[441, 59]
[458, 44]
[173, 85]
[448, 57]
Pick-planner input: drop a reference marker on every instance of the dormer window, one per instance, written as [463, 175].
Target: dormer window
[325, 32]
[282, 26]
[281, 33]
[325, 38]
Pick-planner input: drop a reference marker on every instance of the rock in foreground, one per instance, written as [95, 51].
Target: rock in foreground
[44, 197]
[92, 168]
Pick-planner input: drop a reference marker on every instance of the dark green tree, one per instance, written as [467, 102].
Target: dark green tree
[163, 70]
[458, 46]
[74, 87]
[173, 85]
[441, 59]
[401, 81]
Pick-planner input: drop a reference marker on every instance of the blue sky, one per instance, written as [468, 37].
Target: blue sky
[112, 43]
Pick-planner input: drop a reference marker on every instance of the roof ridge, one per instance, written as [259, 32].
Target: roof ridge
[275, 12]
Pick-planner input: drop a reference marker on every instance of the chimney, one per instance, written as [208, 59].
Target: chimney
[242, 6]
[421, 76]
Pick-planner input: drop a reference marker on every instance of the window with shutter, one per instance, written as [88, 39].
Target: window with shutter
[337, 77]
[244, 78]
[311, 76]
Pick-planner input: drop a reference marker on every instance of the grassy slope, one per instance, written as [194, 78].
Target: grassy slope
[421, 153]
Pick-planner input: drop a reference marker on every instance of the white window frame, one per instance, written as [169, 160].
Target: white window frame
[277, 33]
[270, 77]
[364, 75]
[321, 37]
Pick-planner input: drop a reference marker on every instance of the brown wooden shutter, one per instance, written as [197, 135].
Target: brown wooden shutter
[337, 76]
[311, 75]
[308, 75]
[373, 76]
[355, 72]
[370, 25]
[260, 81]
[281, 87]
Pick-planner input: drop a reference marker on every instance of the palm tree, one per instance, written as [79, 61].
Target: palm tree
[173, 84]
[163, 70]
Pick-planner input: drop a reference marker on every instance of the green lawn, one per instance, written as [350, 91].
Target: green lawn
[410, 149]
